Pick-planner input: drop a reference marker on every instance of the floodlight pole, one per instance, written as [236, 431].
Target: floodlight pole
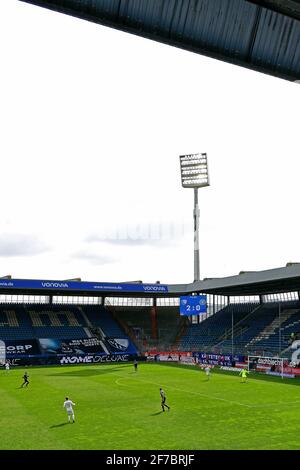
[231, 331]
[194, 174]
[279, 331]
[196, 237]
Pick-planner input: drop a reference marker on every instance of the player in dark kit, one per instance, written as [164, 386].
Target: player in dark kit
[135, 363]
[25, 377]
[163, 400]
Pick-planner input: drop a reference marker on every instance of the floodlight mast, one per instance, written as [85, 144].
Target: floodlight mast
[196, 214]
[194, 174]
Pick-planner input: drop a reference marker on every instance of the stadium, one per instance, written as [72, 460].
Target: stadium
[224, 350]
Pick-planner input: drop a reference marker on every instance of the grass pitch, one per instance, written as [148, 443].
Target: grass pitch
[118, 408]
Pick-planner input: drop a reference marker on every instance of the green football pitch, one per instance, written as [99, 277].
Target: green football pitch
[118, 408]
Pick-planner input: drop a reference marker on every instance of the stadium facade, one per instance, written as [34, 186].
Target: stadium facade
[70, 321]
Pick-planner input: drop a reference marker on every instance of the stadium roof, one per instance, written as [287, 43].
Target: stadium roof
[278, 280]
[248, 283]
[263, 38]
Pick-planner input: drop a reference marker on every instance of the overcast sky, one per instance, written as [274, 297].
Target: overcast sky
[93, 121]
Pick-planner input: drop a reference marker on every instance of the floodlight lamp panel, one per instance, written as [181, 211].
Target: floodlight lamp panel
[194, 170]
[195, 184]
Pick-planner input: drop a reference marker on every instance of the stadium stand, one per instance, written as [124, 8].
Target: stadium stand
[14, 323]
[255, 326]
[215, 329]
[56, 322]
[168, 321]
[137, 322]
[26, 321]
[255, 329]
[100, 317]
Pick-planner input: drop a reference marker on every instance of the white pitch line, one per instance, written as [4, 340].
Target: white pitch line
[117, 382]
[209, 396]
[188, 391]
[280, 403]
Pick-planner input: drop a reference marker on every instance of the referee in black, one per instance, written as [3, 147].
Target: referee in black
[26, 381]
[163, 400]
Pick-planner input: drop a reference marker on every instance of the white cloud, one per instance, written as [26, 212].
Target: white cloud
[152, 234]
[15, 244]
[93, 258]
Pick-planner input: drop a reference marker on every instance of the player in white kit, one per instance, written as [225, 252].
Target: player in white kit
[207, 371]
[68, 405]
[7, 367]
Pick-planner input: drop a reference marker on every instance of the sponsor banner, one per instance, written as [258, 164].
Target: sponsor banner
[86, 346]
[260, 368]
[193, 304]
[46, 347]
[95, 359]
[11, 362]
[263, 369]
[174, 357]
[168, 357]
[277, 370]
[12, 348]
[70, 346]
[21, 360]
[118, 344]
[268, 361]
[2, 352]
[150, 357]
[218, 359]
[81, 286]
[273, 366]
[188, 360]
[232, 369]
[290, 376]
[166, 353]
[69, 360]
[292, 370]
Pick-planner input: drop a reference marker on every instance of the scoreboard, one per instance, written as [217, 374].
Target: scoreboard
[193, 304]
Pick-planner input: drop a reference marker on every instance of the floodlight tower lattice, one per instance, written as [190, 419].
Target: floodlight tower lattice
[194, 174]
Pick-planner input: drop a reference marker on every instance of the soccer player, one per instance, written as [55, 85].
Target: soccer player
[207, 371]
[163, 400]
[68, 405]
[7, 367]
[135, 363]
[26, 381]
[244, 373]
